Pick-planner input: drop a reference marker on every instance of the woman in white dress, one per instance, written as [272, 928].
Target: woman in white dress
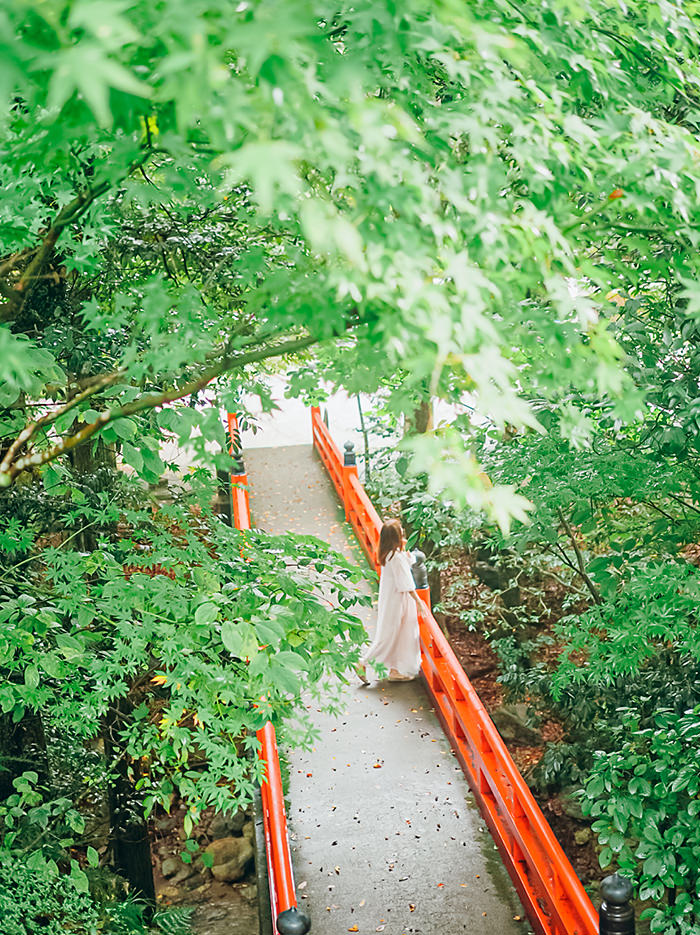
[396, 642]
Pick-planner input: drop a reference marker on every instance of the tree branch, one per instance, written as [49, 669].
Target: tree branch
[581, 570]
[150, 401]
[67, 215]
[684, 503]
[659, 510]
[26, 434]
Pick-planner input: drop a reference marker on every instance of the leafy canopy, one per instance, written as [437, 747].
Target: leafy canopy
[447, 187]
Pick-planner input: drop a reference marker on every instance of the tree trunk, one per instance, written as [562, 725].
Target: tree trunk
[87, 463]
[22, 747]
[420, 420]
[129, 835]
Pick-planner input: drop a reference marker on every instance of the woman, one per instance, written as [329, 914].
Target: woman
[396, 642]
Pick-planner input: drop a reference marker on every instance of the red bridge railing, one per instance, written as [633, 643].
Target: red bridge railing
[551, 893]
[283, 898]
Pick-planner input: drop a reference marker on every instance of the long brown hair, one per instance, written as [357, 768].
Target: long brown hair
[390, 540]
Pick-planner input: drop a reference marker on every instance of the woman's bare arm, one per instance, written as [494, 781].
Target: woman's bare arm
[420, 603]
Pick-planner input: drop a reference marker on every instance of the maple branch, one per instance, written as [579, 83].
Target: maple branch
[28, 433]
[13, 261]
[149, 401]
[67, 215]
[595, 594]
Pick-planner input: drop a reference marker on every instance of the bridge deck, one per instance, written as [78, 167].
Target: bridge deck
[399, 847]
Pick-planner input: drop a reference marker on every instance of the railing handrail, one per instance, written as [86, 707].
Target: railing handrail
[569, 910]
[330, 453]
[283, 897]
[506, 783]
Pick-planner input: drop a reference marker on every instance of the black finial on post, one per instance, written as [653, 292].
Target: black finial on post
[349, 458]
[325, 417]
[616, 910]
[293, 922]
[418, 569]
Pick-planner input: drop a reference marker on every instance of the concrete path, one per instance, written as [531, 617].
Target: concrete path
[385, 833]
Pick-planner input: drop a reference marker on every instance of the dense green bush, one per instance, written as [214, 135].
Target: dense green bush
[429, 519]
[37, 903]
[32, 902]
[644, 797]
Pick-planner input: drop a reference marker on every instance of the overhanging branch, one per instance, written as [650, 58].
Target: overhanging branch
[149, 401]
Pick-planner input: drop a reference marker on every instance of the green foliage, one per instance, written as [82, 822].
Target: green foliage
[430, 520]
[651, 622]
[29, 817]
[206, 633]
[32, 902]
[436, 199]
[644, 797]
[427, 182]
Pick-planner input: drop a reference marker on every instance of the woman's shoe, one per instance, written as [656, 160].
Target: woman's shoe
[362, 674]
[395, 676]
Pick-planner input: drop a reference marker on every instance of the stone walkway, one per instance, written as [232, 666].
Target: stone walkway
[385, 833]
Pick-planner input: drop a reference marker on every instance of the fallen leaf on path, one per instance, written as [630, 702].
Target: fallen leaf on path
[354, 929]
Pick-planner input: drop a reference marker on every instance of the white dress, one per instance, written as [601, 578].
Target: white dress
[396, 642]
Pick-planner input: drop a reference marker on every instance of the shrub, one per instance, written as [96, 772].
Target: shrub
[645, 798]
[32, 902]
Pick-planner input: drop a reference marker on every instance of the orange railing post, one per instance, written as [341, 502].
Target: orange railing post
[283, 898]
[349, 469]
[420, 576]
[553, 896]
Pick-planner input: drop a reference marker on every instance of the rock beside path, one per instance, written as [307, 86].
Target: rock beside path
[236, 914]
[231, 857]
[511, 721]
[170, 866]
[225, 826]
